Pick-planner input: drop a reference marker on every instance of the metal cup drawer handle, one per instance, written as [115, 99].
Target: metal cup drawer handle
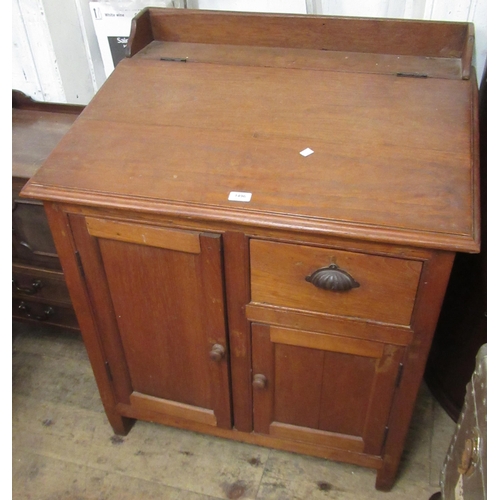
[332, 278]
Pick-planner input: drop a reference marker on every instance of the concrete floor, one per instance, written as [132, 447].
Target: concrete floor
[64, 447]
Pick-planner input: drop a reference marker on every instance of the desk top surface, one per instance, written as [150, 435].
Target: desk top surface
[394, 158]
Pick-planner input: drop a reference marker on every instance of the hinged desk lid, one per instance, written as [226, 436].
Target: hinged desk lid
[393, 157]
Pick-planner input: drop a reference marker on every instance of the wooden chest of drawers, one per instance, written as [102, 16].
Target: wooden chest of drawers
[39, 291]
[228, 282]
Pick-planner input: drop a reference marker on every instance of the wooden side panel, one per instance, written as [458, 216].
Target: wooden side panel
[433, 285]
[468, 52]
[314, 32]
[61, 231]
[102, 307]
[141, 33]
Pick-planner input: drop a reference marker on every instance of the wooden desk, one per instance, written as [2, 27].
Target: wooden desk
[299, 317]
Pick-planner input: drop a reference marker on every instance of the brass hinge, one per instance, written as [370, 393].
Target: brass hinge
[108, 371]
[399, 376]
[174, 59]
[79, 263]
[412, 75]
[386, 433]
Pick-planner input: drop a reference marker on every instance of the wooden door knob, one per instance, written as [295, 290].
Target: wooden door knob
[259, 381]
[217, 352]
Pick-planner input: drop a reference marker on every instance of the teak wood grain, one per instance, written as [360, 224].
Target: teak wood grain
[101, 303]
[170, 239]
[353, 62]
[279, 271]
[308, 448]
[179, 410]
[325, 342]
[167, 353]
[372, 172]
[386, 36]
[315, 437]
[345, 391]
[195, 309]
[332, 325]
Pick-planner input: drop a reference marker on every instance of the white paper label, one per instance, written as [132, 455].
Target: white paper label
[307, 152]
[239, 196]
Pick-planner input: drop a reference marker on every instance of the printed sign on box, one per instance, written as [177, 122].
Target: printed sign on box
[112, 21]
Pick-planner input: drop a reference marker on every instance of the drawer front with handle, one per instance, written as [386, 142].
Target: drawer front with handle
[39, 284]
[46, 313]
[335, 282]
[32, 242]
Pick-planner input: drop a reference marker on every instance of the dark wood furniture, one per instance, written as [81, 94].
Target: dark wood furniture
[39, 292]
[299, 314]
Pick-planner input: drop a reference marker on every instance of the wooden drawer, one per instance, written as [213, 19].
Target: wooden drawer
[384, 288]
[31, 238]
[42, 312]
[39, 285]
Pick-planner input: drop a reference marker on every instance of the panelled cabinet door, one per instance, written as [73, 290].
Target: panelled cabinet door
[158, 303]
[326, 390]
